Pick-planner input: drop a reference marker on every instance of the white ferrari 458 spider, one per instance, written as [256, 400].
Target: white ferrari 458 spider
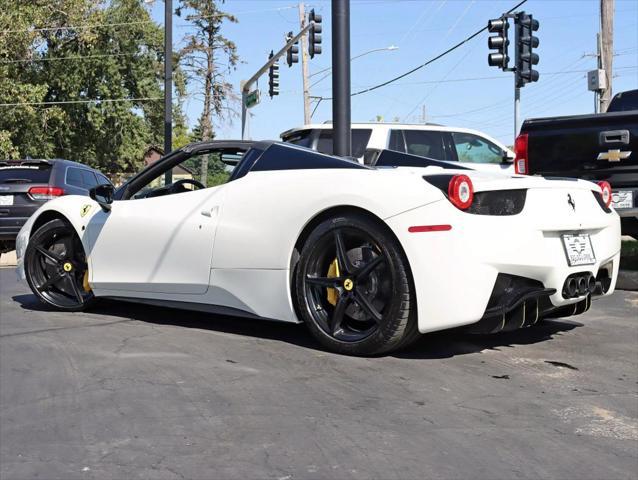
[368, 258]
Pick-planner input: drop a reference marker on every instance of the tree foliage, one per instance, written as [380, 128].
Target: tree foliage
[82, 79]
[206, 59]
[66, 52]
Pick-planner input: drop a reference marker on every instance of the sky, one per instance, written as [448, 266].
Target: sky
[458, 90]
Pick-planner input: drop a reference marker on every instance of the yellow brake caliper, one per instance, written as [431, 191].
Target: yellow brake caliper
[85, 281]
[333, 272]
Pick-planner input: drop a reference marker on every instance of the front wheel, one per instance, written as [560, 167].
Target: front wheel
[353, 288]
[56, 267]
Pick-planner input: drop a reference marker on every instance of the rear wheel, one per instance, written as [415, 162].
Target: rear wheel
[56, 268]
[353, 288]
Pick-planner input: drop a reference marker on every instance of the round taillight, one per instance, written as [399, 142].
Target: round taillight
[605, 189]
[461, 191]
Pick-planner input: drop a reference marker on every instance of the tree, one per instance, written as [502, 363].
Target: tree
[101, 81]
[207, 58]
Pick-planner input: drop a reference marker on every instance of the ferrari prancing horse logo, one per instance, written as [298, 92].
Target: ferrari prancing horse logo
[84, 210]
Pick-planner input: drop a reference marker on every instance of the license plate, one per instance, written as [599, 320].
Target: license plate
[578, 250]
[6, 200]
[622, 199]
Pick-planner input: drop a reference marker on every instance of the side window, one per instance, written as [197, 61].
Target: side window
[474, 149]
[199, 170]
[74, 177]
[88, 179]
[101, 179]
[425, 143]
[360, 139]
[397, 142]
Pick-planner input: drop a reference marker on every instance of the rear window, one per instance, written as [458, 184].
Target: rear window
[21, 174]
[360, 138]
[624, 102]
[302, 138]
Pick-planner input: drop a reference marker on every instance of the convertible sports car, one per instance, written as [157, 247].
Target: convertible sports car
[368, 258]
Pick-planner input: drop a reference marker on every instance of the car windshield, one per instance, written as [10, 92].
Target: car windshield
[23, 174]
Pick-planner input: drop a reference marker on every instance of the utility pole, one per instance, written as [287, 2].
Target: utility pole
[304, 66]
[606, 51]
[342, 135]
[168, 84]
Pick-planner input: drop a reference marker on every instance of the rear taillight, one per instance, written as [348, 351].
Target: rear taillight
[45, 193]
[605, 190]
[521, 165]
[461, 191]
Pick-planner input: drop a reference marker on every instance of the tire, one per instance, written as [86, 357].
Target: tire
[353, 288]
[55, 266]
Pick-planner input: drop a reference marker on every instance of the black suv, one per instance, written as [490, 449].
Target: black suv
[26, 184]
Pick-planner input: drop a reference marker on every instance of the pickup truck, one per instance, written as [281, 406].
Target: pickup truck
[598, 147]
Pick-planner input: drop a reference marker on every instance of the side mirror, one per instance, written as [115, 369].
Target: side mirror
[103, 194]
[507, 157]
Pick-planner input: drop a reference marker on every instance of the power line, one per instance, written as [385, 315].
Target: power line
[78, 27]
[449, 50]
[75, 57]
[432, 60]
[65, 102]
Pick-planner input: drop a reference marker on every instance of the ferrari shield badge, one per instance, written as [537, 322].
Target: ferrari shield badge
[84, 210]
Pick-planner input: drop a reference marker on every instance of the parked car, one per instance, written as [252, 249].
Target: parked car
[367, 257]
[463, 145]
[26, 184]
[597, 147]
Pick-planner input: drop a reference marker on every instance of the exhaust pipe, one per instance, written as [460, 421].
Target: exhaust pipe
[571, 288]
[582, 286]
[591, 284]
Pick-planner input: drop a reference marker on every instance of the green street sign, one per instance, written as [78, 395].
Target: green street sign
[252, 99]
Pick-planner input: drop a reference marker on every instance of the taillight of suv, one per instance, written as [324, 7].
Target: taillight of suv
[45, 193]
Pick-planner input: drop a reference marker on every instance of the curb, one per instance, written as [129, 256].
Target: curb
[627, 280]
[8, 259]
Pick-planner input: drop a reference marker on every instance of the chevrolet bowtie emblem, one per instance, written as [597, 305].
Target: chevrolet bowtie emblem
[614, 155]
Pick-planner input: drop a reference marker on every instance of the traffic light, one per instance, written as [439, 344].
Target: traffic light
[314, 34]
[498, 42]
[273, 78]
[292, 54]
[526, 42]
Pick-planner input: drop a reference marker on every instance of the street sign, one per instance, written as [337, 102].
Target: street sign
[252, 99]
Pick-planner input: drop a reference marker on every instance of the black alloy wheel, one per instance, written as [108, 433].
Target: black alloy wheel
[354, 289]
[55, 267]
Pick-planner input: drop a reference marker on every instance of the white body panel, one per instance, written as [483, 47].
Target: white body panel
[240, 255]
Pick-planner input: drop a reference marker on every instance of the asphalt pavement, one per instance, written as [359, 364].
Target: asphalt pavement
[137, 392]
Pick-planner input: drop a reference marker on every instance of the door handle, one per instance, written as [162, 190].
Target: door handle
[614, 136]
[209, 212]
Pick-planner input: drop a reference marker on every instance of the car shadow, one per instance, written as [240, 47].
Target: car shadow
[438, 345]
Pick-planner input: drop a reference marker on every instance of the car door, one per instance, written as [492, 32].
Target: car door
[160, 244]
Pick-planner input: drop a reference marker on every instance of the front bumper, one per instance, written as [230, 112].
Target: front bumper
[455, 271]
